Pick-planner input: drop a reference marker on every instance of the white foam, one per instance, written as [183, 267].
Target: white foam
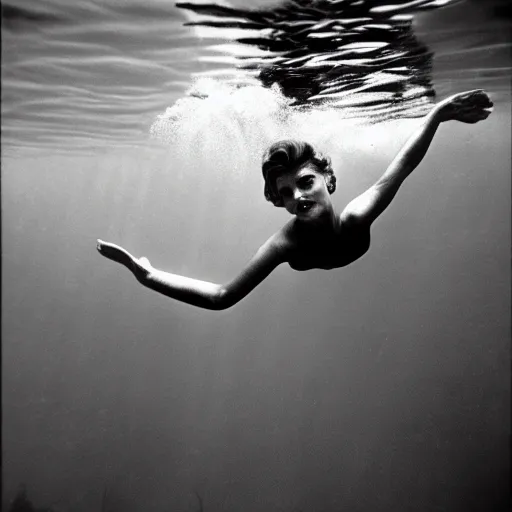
[226, 129]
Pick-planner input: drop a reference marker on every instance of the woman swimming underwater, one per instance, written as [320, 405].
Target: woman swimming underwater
[301, 180]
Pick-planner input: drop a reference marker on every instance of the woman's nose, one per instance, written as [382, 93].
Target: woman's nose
[297, 194]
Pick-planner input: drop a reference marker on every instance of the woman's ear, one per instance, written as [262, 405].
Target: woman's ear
[330, 181]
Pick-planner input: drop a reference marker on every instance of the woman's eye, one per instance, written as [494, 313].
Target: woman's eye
[306, 182]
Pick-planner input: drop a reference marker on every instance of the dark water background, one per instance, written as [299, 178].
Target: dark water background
[381, 386]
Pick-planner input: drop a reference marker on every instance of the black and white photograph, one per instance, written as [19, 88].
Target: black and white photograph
[256, 255]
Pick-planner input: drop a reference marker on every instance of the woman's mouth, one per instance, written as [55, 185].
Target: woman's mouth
[304, 206]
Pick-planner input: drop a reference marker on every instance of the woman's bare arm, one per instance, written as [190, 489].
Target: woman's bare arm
[467, 107]
[201, 293]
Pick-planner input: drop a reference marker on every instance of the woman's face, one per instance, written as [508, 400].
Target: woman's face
[304, 193]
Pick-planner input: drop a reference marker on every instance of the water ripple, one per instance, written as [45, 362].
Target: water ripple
[328, 52]
[96, 74]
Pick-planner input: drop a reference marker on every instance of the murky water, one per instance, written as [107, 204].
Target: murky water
[381, 386]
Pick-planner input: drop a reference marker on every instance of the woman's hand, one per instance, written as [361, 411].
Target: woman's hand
[140, 267]
[466, 107]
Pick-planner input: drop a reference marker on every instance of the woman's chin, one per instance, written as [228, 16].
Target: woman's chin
[315, 216]
[308, 218]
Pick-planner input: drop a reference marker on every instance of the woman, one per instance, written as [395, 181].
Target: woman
[301, 180]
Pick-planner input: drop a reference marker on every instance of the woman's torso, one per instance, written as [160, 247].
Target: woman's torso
[308, 249]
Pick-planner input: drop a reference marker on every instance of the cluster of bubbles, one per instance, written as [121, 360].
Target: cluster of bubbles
[239, 123]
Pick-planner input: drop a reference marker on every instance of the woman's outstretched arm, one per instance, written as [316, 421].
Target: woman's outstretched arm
[193, 291]
[467, 107]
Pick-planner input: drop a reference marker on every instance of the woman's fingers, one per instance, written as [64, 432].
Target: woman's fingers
[476, 97]
[481, 99]
[468, 107]
[474, 117]
[115, 253]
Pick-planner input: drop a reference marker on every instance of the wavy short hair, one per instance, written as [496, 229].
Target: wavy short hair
[287, 155]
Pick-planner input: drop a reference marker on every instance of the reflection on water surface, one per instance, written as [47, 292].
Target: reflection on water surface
[85, 75]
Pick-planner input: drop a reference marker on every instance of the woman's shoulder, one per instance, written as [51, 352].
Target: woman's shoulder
[284, 240]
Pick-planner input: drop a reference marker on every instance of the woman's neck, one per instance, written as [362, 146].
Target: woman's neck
[327, 224]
